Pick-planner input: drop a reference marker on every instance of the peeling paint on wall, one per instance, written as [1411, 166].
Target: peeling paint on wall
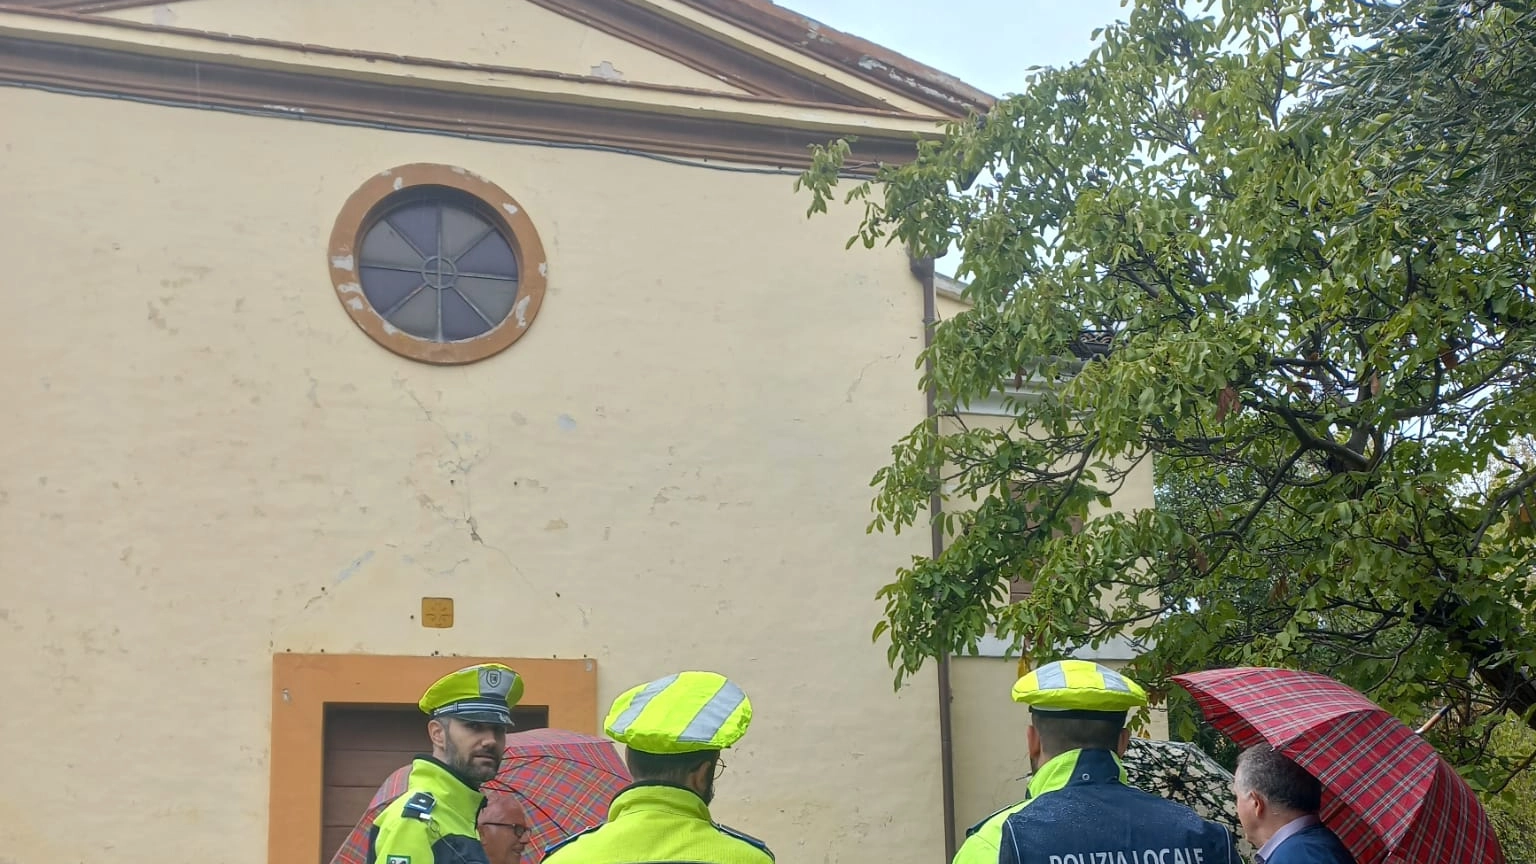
[343, 262]
[468, 173]
[606, 71]
[871, 64]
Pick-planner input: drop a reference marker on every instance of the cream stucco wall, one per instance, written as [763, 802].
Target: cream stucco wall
[991, 764]
[495, 32]
[990, 760]
[209, 463]
[991, 757]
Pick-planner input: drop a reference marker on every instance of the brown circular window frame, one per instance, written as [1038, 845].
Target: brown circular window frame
[363, 210]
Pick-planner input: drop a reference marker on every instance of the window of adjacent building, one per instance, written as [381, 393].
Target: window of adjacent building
[1019, 588]
[438, 264]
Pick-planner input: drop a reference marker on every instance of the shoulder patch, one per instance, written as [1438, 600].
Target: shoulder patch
[419, 807]
[746, 838]
[561, 844]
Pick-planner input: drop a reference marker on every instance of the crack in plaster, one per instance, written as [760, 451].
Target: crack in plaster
[463, 466]
[848, 396]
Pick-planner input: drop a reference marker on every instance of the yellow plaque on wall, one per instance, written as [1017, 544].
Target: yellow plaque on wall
[437, 612]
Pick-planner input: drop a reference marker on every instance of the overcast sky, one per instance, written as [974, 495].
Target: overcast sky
[985, 43]
[989, 44]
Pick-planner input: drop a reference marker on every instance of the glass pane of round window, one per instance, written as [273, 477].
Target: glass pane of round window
[435, 268]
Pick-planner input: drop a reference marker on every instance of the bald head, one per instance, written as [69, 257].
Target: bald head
[503, 829]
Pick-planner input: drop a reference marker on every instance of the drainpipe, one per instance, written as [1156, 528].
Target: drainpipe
[923, 269]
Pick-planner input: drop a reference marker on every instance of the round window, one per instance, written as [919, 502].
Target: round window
[442, 266]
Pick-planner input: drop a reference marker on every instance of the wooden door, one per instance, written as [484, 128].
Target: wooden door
[364, 744]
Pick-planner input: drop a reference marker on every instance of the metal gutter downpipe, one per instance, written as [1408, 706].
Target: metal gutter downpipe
[923, 269]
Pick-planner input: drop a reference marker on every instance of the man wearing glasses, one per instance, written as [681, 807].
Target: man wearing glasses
[673, 730]
[503, 829]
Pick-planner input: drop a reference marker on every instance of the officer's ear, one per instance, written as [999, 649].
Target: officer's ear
[699, 778]
[1033, 737]
[437, 730]
[1125, 742]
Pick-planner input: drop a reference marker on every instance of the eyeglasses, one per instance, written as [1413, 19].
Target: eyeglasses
[719, 767]
[518, 831]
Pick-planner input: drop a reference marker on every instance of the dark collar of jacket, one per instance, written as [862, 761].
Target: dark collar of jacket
[659, 795]
[1076, 767]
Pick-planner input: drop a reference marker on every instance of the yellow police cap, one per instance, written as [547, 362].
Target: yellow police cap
[681, 713]
[1078, 687]
[480, 694]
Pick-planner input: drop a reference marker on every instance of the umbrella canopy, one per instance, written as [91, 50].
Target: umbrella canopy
[1184, 773]
[564, 780]
[1386, 792]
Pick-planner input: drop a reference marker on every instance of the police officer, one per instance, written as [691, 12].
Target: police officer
[434, 821]
[674, 729]
[1079, 808]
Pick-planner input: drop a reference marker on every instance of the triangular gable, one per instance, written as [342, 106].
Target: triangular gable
[91, 55]
[750, 47]
[509, 33]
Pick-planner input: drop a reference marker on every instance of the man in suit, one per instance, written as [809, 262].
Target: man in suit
[1277, 804]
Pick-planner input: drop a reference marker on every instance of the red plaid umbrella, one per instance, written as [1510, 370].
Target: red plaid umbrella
[1388, 795]
[564, 780]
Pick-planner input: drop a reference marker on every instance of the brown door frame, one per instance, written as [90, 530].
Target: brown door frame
[304, 684]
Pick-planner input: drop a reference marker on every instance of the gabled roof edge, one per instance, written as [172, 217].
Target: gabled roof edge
[874, 63]
[89, 56]
[870, 61]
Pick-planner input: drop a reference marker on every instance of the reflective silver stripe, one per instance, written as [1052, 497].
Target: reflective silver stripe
[469, 706]
[707, 723]
[636, 705]
[1113, 681]
[1051, 677]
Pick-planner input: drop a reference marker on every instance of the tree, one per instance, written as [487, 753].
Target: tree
[1309, 228]
[1513, 813]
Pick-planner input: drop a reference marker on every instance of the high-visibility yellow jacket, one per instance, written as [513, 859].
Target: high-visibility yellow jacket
[983, 839]
[432, 823]
[658, 822]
